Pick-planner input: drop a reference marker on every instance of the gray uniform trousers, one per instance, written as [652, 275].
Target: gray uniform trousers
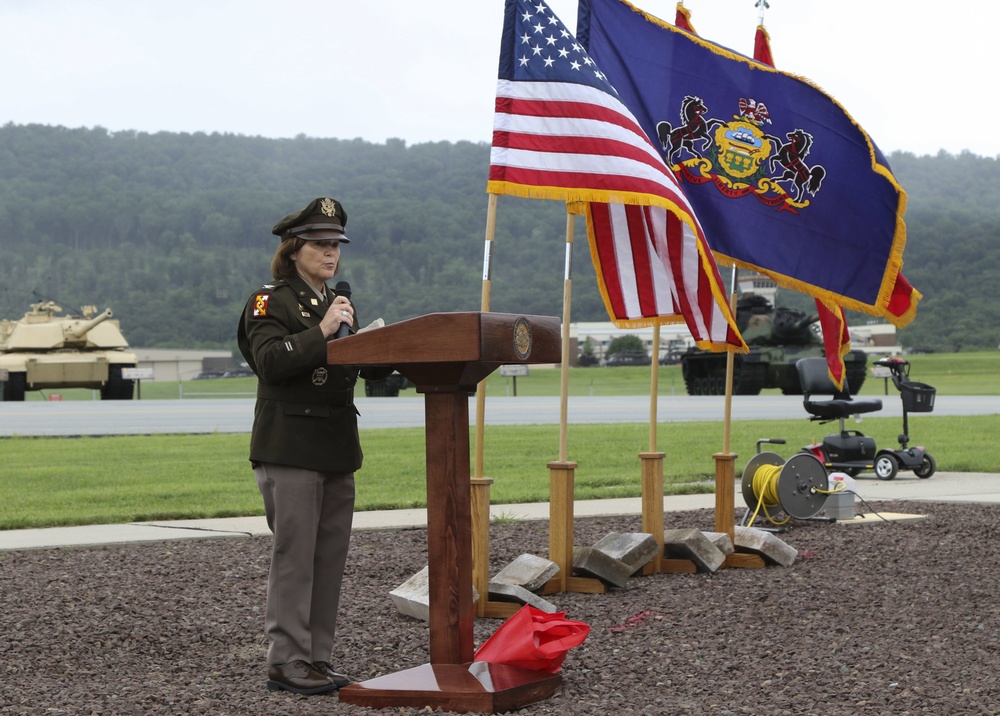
[310, 514]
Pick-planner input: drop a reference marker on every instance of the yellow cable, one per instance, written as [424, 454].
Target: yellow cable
[841, 486]
[765, 486]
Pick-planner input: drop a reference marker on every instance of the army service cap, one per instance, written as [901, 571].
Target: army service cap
[323, 218]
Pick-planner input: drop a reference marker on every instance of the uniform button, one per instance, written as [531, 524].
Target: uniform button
[308, 411]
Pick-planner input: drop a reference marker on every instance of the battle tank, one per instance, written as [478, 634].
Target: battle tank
[44, 350]
[777, 339]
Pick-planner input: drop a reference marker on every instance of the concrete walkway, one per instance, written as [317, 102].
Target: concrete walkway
[942, 487]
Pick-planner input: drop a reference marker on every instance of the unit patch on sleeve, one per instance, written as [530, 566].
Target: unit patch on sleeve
[260, 305]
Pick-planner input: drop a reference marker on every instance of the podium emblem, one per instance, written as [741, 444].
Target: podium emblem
[522, 338]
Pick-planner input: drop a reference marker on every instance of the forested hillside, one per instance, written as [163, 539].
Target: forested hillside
[172, 231]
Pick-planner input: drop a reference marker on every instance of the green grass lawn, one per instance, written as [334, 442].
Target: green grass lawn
[95, 480]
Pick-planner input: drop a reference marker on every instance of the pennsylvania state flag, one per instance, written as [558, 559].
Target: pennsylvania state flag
[781, 177]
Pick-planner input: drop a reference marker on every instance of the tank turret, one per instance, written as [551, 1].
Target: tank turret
[777, 339]
[77, 331]
[46, 350]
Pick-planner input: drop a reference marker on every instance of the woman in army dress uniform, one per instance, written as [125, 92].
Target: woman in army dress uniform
[304, 446]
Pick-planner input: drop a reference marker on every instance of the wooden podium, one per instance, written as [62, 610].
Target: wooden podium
[446, 355]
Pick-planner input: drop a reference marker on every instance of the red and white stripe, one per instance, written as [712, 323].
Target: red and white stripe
[646, 278]
[577, 143]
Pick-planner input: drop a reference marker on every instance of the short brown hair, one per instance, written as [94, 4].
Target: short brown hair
[282, 266]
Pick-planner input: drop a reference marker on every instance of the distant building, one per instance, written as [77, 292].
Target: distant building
[177, 364]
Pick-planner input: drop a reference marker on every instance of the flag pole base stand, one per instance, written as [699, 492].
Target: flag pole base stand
[480, 495]
[652, 505]
[725, 511]
[477, 687]
[562, 476]
[725, 492]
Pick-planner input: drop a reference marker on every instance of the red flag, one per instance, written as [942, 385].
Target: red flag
[683, 19]
[903, 302]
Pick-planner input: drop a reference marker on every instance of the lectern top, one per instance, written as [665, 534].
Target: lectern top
[452, 351]
[454, 337]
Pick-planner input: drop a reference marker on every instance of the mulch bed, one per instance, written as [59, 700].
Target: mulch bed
[882, 618]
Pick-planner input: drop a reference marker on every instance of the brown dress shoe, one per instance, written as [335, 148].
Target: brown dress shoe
[339, 680]
[299, 677]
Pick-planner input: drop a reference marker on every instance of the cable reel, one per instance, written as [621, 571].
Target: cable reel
[799, 486]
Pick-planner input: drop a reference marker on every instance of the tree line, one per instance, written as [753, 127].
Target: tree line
[172, 231]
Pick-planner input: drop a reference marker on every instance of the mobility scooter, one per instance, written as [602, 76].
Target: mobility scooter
[849, 451]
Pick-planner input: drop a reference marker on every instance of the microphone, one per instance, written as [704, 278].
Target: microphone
[342, 289]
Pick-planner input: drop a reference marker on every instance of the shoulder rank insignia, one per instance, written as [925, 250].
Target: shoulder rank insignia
[260, 304]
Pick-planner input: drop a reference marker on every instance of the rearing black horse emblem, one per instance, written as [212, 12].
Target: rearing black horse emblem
[791, 156]
[694, 127]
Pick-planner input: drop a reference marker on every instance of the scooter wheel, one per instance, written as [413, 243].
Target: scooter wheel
[926, 468]
[886, 467]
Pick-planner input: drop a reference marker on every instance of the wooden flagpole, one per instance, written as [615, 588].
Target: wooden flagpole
[484, 306]
[480, 485]
[562, 471]
[725, 463]
[652, 464]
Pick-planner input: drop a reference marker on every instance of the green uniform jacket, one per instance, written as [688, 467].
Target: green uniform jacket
[305, 415]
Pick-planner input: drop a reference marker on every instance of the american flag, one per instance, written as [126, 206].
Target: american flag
[560, 132]
[646, 277]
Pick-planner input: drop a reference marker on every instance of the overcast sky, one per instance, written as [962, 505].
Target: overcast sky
[918, 75]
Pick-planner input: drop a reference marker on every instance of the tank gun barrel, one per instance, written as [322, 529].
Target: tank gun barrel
[79, 330]
[807, 321]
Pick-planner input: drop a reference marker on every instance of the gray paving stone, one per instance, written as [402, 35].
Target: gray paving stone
[412, 597]
[636, 549]
[528, 571]
[766, 544]
[502, 592]
[595, 563]
[721, 540]
[689, 543]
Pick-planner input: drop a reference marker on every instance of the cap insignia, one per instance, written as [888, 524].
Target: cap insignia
[328, 207]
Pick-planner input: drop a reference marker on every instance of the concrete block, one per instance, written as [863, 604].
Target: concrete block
[595, 563]
[766, 544]
[692, 544]
[636, 549]
[513, 593]
[720, 540]
[527, 571]
[413, 599]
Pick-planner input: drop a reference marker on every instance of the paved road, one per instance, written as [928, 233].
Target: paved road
[234, 415]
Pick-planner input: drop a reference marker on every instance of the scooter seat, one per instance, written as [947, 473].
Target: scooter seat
[815, 379]
[836, 409]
